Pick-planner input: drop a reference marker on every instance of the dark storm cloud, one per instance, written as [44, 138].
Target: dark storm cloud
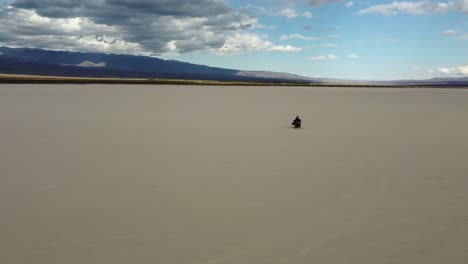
[124, 26]
[107, 8]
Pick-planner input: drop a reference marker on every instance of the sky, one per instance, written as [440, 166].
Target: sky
[373, 40]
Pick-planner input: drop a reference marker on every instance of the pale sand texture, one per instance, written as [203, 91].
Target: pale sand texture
[170, 174]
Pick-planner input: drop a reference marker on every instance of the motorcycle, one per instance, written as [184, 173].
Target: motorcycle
[296, 123]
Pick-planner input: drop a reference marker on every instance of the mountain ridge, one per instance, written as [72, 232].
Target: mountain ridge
[78, 64]
[31, 61]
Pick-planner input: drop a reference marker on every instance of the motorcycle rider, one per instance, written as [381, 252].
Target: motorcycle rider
[297, 122]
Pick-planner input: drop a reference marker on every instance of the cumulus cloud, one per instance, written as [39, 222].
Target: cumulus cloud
[298, 36]
[145, 27]
[324, 57]
[249, 42]
[349, 4]
[416, 8]
[454, 71]
[25, 28]
[288, 12]
[353, 56]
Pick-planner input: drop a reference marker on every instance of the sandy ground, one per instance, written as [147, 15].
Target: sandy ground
[179, 174]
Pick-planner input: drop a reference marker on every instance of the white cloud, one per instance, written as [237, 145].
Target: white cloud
[171, 46]
[250, 42]
[287, 48]
[91, 64]
[307, 14]
[353, 56]
[298, 36]
[171, 50]
[288, 13]
[329, 45]
[349, 4]
[414, 8]
[324, 57]
[449, 32]
[455, 71]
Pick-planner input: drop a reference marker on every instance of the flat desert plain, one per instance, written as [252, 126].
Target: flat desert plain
[205, 175]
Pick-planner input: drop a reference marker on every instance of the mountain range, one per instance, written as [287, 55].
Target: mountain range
[63, 63]
[28, 61]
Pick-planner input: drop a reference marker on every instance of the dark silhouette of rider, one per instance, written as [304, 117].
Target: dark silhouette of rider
[297, 122]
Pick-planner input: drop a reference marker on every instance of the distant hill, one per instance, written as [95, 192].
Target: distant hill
[64, 63]
[438, 82]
